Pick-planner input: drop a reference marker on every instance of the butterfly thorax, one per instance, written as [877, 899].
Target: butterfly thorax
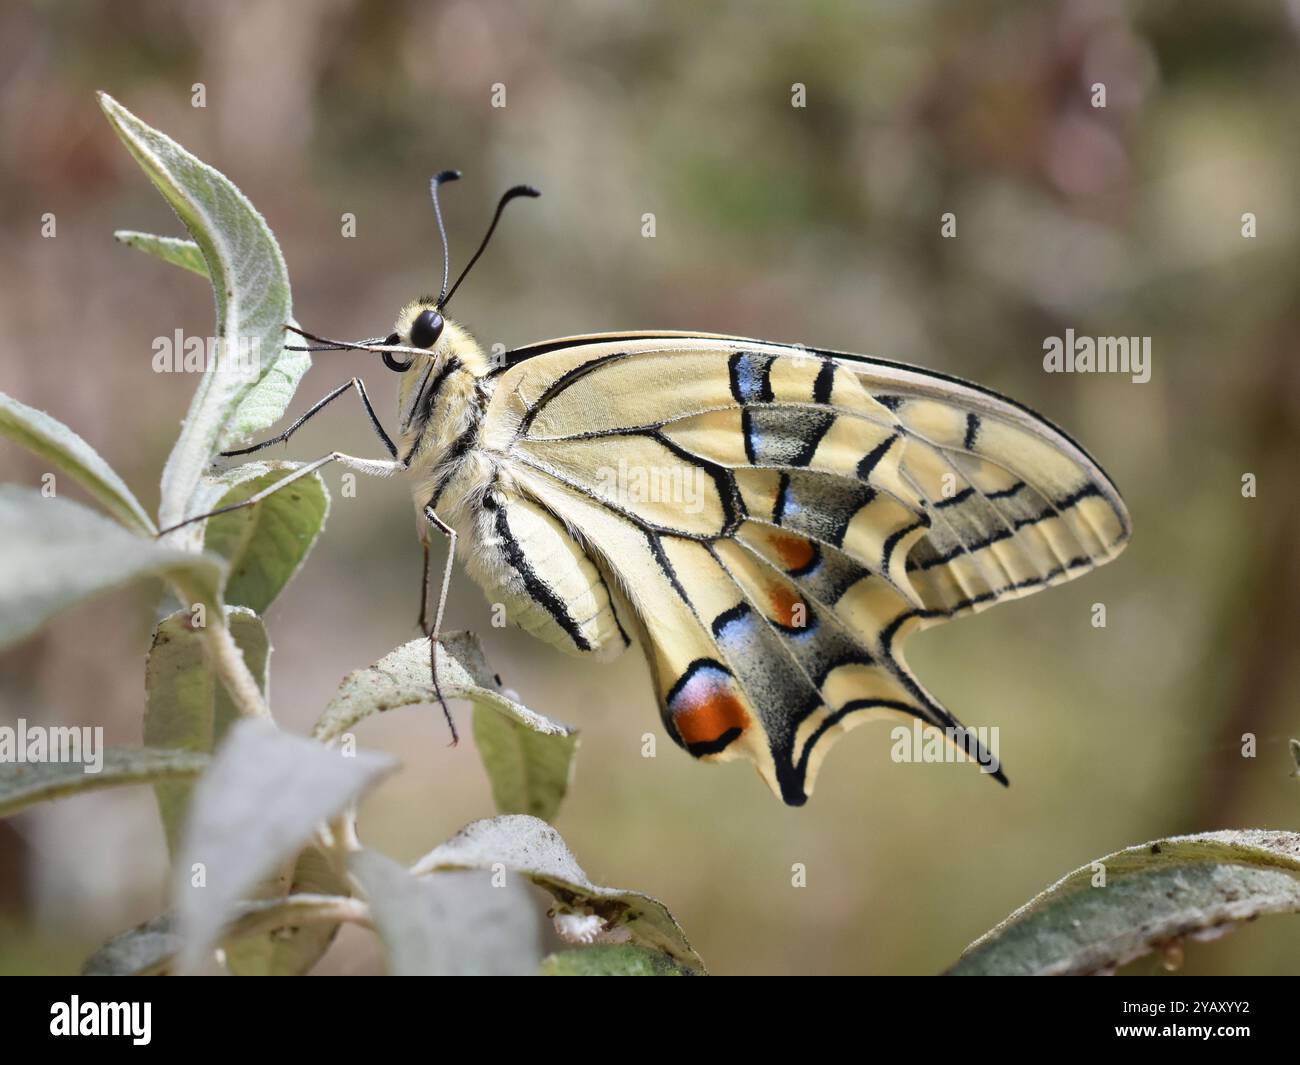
[441, 402]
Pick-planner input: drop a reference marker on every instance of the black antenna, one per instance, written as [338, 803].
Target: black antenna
[327, 344]
[510, 194]
[438, 179]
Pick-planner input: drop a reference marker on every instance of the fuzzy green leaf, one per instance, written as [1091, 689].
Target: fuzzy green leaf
[456, 924]
[292, 948]
[402, 678]
[1187, 886]
[529, 758]
[186, 706]
[532, 848]
[266, 401]
[264, 545]
[146, 950]
[52, 440]
[24, 784]
[530, 771]
[150, 949]
[622, 959]
[174, 250]
[57, 553]
[249, 281]
[255, 809]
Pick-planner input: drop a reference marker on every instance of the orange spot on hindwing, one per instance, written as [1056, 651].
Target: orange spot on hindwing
[706, 708]
[795, 552]
[788, 607]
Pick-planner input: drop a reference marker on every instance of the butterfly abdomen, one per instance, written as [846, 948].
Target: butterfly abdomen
[524, 558]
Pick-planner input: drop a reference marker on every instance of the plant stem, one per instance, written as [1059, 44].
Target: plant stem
[301, 909]
[338, 839]
[227, 661]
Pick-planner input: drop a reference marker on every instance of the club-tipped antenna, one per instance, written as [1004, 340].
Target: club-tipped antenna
[439, 179]
[507, 196]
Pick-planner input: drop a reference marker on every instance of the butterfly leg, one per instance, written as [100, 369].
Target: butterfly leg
[355, 383]
[434, 632]
[375, 467]
[422, 620]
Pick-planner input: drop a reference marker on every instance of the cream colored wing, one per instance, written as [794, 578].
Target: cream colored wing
[780, 519]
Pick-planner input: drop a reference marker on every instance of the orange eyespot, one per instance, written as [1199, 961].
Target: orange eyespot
[710, 717]
[796, 552]
[788, 608]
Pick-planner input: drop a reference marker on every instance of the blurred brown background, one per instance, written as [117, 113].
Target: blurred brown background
[818, 225]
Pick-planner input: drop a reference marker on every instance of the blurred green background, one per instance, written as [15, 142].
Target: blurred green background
[819, 225]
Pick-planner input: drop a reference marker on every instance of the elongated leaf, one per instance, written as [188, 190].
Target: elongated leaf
[532, 848]
[57, 553]
[529, 758]
[530, 771]
[624, 959]
[264, 545]
[52, 440]
[1187, 886]
[401, 678]
[24, 784]
[269, 398]
[256, 808]
[186, 706]
[146, 950]
[291, 948]
[150, 949]
[174, 250]
[250, 284]
[454, 924]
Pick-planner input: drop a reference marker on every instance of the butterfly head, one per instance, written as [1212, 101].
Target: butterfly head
[420, 325]
[425, 335]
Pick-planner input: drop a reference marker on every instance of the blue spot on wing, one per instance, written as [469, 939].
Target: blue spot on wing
[734, 626]
[750, 382]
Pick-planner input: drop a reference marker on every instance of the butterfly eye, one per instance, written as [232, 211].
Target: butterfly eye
[426, 329]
